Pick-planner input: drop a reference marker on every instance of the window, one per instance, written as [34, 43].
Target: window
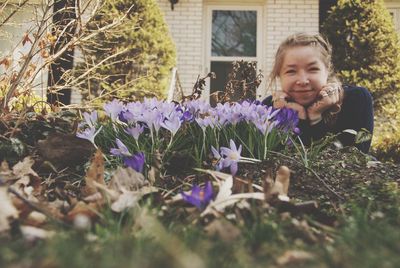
[233, 34]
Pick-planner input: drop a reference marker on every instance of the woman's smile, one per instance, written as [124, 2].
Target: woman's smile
[303, 74]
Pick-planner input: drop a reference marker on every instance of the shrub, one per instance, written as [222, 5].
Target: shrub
[387, 143]
[365, 45]
[140, 52]
[22, 99]
[366, 52]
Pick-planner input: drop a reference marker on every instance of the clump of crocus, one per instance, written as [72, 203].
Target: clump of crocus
[230, 157]
[134, 161]
[199, 196]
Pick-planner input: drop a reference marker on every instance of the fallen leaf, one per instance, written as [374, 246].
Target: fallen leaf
[95, 173]
[81, 208]
[82, 222]
[268, 184]
[32, 233]
[35, 218]
[154, 173]
[225, 189]
[283, 178]
[8, 212]
[127, 179]
[24, 168]
[294, 257]
[126, 200]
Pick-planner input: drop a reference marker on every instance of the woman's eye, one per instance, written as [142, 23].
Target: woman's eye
[314, 69]
[290, 71]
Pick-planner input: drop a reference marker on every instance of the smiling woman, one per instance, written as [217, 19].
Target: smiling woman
[309, 86]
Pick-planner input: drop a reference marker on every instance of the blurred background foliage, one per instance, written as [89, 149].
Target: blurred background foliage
[366, 52]
[146, 53]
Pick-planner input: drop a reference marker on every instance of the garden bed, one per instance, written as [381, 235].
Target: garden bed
[343, 207]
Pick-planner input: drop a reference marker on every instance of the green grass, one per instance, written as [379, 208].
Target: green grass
[367, 236]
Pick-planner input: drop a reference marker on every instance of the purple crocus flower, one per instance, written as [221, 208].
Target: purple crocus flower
[287, 120]
[217, 155]
[135, 131]
[172, 123]
[89, 134]
[90, 119]
[126, 116]
[231, 156]
[113, 109]
[187, 116]
[122, 150]
[199, 196]
[135, 161]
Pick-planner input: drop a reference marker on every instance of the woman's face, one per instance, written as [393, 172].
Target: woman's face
[303, 74]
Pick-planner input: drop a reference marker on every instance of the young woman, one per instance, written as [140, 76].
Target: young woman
[308, 85]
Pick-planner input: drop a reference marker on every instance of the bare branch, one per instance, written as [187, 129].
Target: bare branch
[19, 6]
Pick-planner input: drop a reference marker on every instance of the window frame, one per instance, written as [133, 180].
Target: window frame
[208, 40]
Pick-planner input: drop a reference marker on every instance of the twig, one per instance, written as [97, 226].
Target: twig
[13, 12]
[35, 206]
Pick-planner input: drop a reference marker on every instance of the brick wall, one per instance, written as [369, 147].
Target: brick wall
[280, 18]
[186, 27]
[284, 17]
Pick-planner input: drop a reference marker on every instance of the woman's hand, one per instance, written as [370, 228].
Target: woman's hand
[280, 100]
[329, 96]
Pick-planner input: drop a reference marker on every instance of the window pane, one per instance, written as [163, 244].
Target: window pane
[234, 33]
[221, 70]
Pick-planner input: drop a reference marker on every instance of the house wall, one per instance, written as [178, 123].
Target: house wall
[186, 27]
[285, 17]
[187, 23]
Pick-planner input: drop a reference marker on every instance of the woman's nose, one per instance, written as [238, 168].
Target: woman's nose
[302, 80]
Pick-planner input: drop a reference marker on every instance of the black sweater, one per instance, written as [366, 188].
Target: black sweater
[356, 113]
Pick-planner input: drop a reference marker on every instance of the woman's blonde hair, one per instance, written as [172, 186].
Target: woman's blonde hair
[324, 47]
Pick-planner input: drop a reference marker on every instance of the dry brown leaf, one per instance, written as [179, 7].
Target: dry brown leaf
[281, 185]
[294, 257]
[8, 212]
[36, 219]
[28, 182]
[127, 179]
[24, 168]
[81, 208]
[26, 39]
[6, 61]
[5, 172]
[279, 188]
[283, 177]
[268, 185]
[126, 200]
[95, 173]
[224, 229]
[154, 172]
[32, 233]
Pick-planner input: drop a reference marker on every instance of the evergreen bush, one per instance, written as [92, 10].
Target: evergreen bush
[144, 68]
[366, 52]
[365, 45]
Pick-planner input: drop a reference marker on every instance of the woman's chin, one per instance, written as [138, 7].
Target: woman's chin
[304, 102]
